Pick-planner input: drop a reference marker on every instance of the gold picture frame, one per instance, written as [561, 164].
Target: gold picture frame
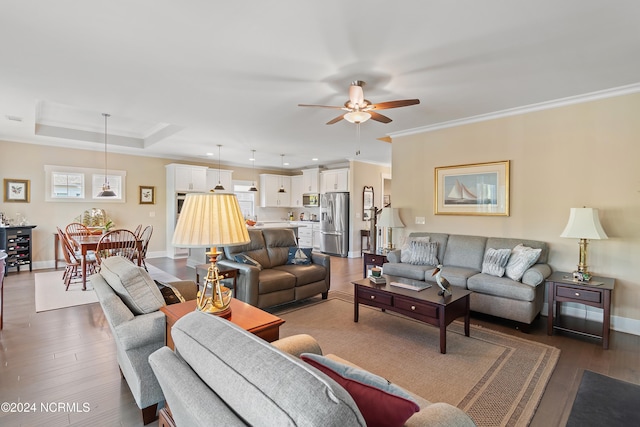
[17, 190]
[473, 189]
[147, 195]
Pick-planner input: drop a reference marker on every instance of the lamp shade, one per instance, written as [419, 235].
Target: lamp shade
[390, 217]
[584, 223]
[210, 220]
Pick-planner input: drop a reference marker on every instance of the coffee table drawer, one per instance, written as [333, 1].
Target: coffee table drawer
[579, 294]
[415, 307]
[367, 296]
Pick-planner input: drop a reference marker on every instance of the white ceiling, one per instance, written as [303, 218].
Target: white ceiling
[180, 77]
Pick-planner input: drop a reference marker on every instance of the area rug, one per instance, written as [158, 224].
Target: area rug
[51, 295]
[497, 379]
[605, 401]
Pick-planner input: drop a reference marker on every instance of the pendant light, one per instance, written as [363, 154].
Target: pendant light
[106, 189]
[282, 190]
[253, 167]
[219, 187]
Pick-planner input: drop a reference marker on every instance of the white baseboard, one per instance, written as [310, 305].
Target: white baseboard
[619, 324]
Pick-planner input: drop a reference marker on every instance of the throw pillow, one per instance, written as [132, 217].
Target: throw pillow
[380, 402]
[170, 293]
[406, 252]
[495, 261]
[522, 257]
[424, 253]
[299, 256]
[244, 259]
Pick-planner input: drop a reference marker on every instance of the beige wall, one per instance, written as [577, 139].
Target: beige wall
[362, 174]
[26, 161]
[572, 156]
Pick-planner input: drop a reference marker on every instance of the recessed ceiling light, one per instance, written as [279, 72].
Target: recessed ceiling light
[286, 163]
[315, 159]
[209, 154]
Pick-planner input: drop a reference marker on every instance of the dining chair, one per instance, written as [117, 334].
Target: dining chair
[138, 230]
[76, 229]
[117, 242]
[145, 237]
[73, 261]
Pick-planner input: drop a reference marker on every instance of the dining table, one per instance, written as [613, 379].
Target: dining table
[90, 243]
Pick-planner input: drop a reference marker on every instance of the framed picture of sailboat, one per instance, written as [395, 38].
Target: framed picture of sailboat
[474, 189]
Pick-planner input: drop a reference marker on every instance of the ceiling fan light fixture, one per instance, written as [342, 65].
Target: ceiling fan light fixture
[357, 116]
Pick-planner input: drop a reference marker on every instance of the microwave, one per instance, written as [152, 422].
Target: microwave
[310, 200]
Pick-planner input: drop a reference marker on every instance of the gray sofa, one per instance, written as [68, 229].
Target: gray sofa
[274, 281]
[217, 376]
[131, 302]
[462, 259]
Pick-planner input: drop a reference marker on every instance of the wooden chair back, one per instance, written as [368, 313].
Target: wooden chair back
[117, 242]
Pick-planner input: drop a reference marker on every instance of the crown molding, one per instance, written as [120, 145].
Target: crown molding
[571, 100]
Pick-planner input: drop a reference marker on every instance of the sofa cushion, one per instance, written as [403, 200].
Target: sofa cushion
[415, 272]
[304, 274]
[132, 284]
[510, 243]
[501, 287]
[299, 256]
[278, 241]
[457, 276]
[465, 251]
[424, 253]
[405, 251]
[275, 279]
[256, 249]
[263, 385]
[381, 403]
[522, 257]
[495, 261]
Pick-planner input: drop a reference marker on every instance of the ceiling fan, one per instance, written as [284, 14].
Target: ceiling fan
[359, 110]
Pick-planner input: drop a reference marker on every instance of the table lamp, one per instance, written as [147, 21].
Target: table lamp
[211, 220]
[390, 218]
[584, 224]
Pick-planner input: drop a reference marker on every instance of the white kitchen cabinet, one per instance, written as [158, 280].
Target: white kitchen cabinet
[305, 236]
[187, 178]
[224, 176]
[270, 197]
[296, 191]
[311, 180]
[316, 236]
[334, 180]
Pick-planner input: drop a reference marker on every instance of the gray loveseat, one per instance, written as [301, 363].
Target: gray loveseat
[273, 281]
[462, 258]
[131, 302]
[218, 376]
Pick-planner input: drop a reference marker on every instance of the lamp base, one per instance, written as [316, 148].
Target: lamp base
[224, 312]
[218, 302]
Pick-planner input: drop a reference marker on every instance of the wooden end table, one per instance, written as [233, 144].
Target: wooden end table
[596, 293]
[426, 305]
[248, 317]
[225, 272]
[372, 258]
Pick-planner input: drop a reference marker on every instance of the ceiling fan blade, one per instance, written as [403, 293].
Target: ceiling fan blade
[336, 120]
[321, 106]
[385, 139]
[395, 104]
[379, 117]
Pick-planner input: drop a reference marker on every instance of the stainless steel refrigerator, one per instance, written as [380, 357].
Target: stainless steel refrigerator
[334, 223]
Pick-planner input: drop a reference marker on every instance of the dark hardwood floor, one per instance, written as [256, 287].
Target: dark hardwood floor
[67, 357]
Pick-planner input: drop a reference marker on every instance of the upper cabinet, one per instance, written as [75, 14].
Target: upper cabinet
[297, 184]
[222, 176]
[311, 180]
[334, 180]
[270, 196]
[186, 177]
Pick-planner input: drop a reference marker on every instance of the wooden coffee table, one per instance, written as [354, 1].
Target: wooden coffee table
[426, 305]
[248, 317]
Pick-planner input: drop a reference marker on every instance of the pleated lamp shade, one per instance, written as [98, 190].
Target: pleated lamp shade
[210, 220]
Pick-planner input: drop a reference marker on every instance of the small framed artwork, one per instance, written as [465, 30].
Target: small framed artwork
[147, 195]
[474, 189]
[386, 200]
[17, 190]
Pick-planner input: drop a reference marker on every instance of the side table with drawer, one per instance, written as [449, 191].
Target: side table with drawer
[595, 293]
[372, 259]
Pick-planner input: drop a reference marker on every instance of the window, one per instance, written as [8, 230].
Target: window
[115, 182]
[67, 185]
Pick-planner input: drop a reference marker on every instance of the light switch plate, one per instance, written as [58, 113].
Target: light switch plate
[420, 220]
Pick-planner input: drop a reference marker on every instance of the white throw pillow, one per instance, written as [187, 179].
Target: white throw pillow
[424, 253]
[405, 252]
[495, 261]
[522, 257]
